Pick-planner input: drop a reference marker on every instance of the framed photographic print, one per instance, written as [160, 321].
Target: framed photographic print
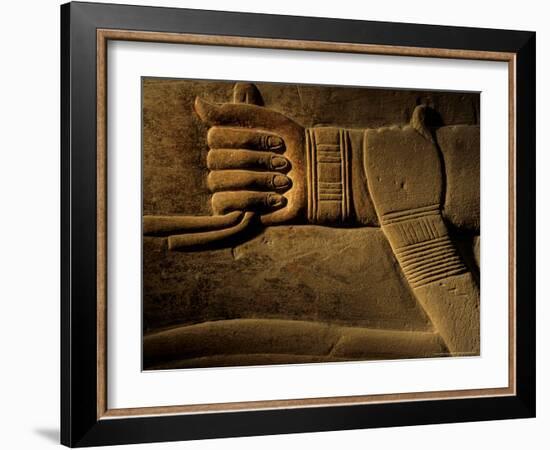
[276, 224]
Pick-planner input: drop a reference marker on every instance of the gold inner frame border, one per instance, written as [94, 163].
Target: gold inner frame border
[103, 36]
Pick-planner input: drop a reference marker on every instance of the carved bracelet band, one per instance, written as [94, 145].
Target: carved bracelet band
[328, 175]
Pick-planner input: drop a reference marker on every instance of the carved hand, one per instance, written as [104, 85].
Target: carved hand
[256, 161]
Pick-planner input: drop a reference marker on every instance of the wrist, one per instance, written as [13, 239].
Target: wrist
[328, 154]
[336, 180]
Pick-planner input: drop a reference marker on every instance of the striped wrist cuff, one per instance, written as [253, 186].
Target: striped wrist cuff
[328, 175]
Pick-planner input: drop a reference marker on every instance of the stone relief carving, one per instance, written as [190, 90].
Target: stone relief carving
[266, 170]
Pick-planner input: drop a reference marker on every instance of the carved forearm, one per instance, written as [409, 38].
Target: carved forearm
[406, 180]
[459, 148]
[439, 278]
[338, 192]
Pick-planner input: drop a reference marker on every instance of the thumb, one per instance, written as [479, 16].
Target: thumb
[208, 112]
[241, 115]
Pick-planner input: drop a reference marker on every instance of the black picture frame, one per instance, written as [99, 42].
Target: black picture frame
[80, 425]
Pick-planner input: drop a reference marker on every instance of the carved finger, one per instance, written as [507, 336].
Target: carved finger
[246, 159]
[224, 202]
[166, 225]
[234, 180]
[184, 241]
[225, 137]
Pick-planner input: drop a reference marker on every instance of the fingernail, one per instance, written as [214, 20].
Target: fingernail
[280, 181]
[278, 163]
[275, 200]
[274, 142]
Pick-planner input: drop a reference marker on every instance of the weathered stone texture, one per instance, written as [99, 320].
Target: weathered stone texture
[345, 276]
[304, 293]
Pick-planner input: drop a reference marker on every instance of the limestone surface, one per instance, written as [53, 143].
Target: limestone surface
[289, 223]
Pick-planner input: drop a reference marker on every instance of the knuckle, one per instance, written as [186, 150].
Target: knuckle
[212, 181]
[212, 137]
[218, 204]
[211, 160]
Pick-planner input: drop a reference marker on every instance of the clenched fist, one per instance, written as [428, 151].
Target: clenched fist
[257, 172]
[256, 161]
